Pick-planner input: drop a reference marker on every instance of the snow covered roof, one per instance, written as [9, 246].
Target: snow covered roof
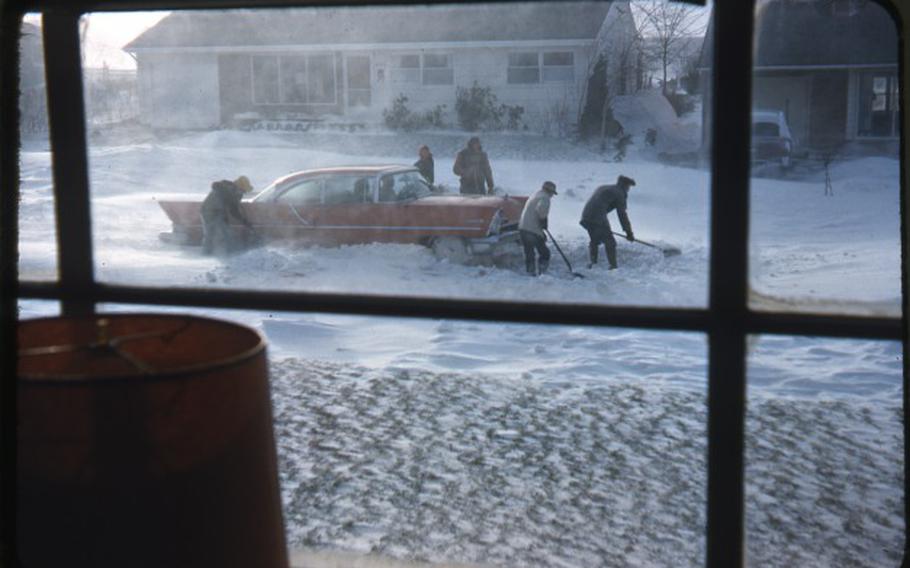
[814, 34]
[376, 25]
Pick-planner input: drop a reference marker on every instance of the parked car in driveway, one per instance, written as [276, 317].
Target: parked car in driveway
[771, 138]
[368, 204]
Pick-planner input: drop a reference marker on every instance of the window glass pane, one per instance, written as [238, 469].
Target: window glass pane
[344, 189]
[524, 75]
[825, 189]
[558, 58]
[202, 118]
[37, 215]
[523, 59]
[409, 61]
[455, 442]
[824, 453]
[28, 309]
[435, 60]
[293, 79]
[304, 192]
[320, 79]
[265, 80]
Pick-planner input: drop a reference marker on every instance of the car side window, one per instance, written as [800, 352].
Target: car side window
[411, 185]
[307, 192]
[387, 189]
[343, 189]
[363, 193]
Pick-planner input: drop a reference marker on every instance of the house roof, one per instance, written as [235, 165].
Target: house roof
[371, 25]
[792, 33]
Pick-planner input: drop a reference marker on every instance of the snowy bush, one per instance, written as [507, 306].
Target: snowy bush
[556, 119]
[400, 117]
[478, 108]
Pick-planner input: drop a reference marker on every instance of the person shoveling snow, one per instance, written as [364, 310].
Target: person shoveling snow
[531, 229]
[606, 198]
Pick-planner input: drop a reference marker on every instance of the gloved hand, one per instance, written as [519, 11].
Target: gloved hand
[630, 237]
[543, 223]
[544, 235]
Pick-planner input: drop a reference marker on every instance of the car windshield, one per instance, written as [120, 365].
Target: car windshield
[765, 129]
[403, 186]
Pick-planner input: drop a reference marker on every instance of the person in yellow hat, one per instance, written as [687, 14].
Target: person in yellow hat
[219, 208]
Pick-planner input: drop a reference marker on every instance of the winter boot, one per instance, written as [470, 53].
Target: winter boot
[611, 256]
[543, 265]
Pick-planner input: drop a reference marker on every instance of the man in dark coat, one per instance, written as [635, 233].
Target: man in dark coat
[606, 198]
[473, 167]
[220, 206]
[425, 164]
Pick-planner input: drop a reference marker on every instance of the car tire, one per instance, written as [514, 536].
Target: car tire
[453, 249]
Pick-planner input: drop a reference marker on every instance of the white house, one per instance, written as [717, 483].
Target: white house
[206, 69]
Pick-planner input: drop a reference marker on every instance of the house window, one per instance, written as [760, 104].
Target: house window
[265, 80]
[358, 70]
[294, 79]
[321, 79]
[437, 69]
[879, 114]
[558, 67]
[524, 68]
[407, 69]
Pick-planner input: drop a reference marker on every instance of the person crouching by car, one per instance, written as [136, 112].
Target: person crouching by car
[220, 207]
[606, 198]
[473, 167]
[425, 164]
[531, 228]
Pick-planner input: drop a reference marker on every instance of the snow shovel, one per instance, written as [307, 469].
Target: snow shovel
[668, 251]
[559, 250]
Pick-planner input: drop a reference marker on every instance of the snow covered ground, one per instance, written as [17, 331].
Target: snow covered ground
[540, 445]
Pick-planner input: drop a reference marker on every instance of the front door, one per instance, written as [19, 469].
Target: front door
[358, 81]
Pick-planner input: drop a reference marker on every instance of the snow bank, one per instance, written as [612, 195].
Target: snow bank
[651, 110]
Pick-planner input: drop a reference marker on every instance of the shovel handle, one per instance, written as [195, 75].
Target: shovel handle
[637, 240]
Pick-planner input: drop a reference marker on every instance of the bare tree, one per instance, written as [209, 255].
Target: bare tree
[667, 27]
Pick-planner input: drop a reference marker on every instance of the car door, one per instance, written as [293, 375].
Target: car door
[348, 213]
[404, 217]
[291, 213]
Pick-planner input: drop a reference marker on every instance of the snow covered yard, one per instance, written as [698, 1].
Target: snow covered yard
[540, 445]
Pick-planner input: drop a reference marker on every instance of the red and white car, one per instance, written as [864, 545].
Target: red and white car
[368, 204]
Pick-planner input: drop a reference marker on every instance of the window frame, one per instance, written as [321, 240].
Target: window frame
[727, 320]
[544, 67]
[519, 68]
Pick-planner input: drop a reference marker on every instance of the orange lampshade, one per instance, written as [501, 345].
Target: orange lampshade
[145, 440]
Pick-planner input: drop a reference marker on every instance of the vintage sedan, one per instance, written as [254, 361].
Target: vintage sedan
[771, 138]
[368, 204]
